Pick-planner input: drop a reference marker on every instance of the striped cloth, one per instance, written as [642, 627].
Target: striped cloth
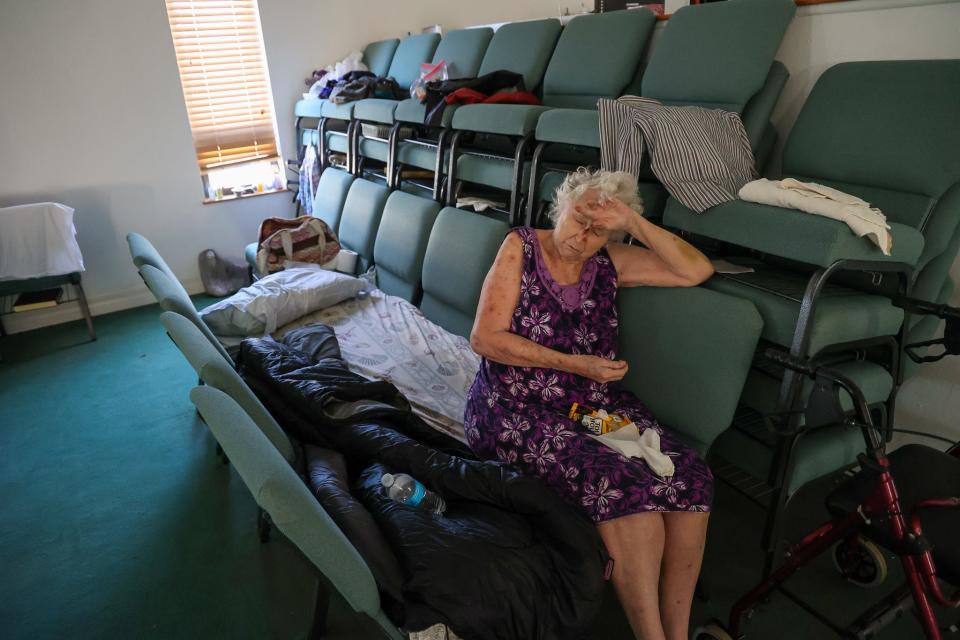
[702, 156]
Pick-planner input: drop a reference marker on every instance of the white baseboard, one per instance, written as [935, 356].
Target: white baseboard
[68, 311]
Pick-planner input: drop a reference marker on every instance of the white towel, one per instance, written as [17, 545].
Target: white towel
[629, 442]
[864, 220]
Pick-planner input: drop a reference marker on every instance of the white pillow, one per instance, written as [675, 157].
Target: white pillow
[278, 299]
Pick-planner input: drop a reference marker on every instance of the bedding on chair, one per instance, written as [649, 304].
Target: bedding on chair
[508, 559]
[384, 337]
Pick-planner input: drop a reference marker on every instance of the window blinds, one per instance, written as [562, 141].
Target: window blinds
[223, 72]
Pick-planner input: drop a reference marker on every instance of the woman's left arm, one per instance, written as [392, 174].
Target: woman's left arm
[669, 261]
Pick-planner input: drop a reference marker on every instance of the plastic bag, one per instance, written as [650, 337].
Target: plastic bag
[429, 72]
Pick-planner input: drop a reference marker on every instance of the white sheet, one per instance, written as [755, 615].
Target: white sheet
[387, 338]
[38, 240]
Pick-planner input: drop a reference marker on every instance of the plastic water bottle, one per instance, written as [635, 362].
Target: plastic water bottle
[407, 490]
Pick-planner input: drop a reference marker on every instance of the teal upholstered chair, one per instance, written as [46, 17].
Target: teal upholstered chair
[213, 370]
[739, 37]
[523, 48]
[328, 201]
[410, 53]
[143, 252]
[615, 42]
[402, 242]
[460, 251]
[463, 50]
[822, 291]
[361, 219]
[690, 350]
[294, 511]
[172, 297]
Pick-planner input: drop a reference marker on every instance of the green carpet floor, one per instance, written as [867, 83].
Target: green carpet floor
[118, 521]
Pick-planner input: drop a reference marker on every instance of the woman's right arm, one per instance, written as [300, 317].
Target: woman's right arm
[491, 336]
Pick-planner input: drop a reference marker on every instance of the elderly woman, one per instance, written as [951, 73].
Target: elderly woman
[547, 330]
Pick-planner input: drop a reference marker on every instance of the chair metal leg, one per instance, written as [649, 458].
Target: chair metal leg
[516, 187]
[264, 526]
[393, 144]
[85, 308]
[534, 185]
[322, 143]
[438, 167]
[353, 147]
[451, 195]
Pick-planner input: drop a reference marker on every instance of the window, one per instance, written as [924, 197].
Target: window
[226, 87]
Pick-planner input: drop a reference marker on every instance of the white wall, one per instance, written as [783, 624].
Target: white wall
[92, 115]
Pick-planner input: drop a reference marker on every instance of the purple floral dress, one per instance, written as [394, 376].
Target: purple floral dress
[519, 414]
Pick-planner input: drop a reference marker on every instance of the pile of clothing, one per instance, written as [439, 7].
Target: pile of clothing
[508, 558]
[503, 87]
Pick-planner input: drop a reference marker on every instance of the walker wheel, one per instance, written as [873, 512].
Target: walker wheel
[860, 562]
[711, 631]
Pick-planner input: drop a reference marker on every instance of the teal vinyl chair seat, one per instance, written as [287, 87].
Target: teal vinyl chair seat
[570, 126]
[342, 111]
[501, 119]
[791, 234]
[402, 242]
[817, 453]
[250, 255]
[875, 381]
[413, 111]
[376, 110]
[842, 315]
[292, 508]
[702, 343]
[460, 251]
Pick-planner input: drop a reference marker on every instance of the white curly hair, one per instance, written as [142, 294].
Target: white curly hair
[608, 184]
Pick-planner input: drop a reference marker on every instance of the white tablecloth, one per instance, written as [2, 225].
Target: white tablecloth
[38, 240]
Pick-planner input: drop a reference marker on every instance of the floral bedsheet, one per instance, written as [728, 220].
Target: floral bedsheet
[386, 338]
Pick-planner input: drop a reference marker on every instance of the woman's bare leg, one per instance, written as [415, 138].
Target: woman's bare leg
[685, 535]
[635, 543]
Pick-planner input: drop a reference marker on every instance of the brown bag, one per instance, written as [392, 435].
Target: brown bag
[303, 239]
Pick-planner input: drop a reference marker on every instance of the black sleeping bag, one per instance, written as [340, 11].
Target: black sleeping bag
[508, 560]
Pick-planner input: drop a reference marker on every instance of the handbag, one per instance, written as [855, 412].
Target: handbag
[303, 239]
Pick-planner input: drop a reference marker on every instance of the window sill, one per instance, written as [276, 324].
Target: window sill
[252, 195]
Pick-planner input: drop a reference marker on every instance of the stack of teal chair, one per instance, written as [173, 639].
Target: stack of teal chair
[521, 47]
[404, 67]
[462, 51]
[503, 133]
[716, 56]
[308, 111]
[885, 132]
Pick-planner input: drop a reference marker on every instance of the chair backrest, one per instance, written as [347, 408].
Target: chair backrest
[173, 298]
[143, 252]
[402, 242]
[460, 251]
[756, 115]
[293, 510]
[361, 218]
[219, 374]
[739, 38]
[411, 53]
[331, 195]
[378, 55]
[522, 47]
[307, 108]
[596, 57]
[686, 342]
[887, 132]
[463, 51]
